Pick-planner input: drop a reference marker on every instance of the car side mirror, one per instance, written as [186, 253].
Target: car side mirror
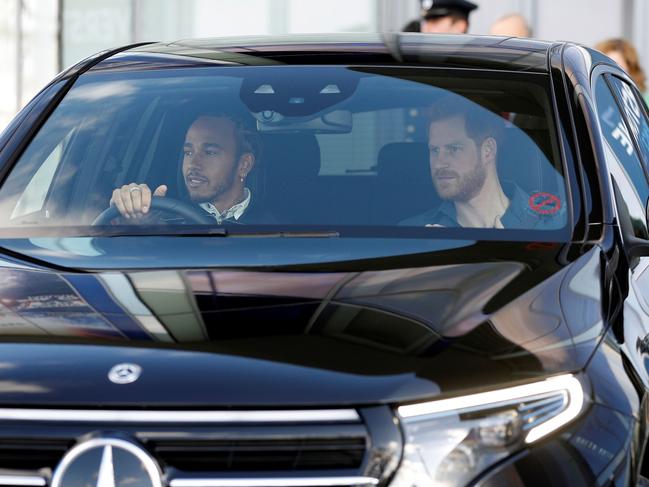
[638, 247]
[634, 246]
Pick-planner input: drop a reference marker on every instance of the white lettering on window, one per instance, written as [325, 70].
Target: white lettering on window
[631, 108]
[621, 134]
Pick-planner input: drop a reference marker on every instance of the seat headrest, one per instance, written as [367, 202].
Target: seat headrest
[403, 185]
[298, 154]
[404, 161]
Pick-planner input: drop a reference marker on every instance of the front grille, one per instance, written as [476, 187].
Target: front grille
[337, 447]
[251, 455]
[201, 456]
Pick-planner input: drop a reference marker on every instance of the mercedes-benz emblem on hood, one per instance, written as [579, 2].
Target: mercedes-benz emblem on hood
[107, 462]
[124, 373]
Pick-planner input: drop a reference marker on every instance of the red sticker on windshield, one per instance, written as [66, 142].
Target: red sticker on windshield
[545, 203]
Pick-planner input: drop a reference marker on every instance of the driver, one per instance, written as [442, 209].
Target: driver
[218, 154]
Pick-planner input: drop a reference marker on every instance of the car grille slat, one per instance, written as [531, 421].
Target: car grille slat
[270, 480]
[252, 455]
[32, 454]
[13, 478]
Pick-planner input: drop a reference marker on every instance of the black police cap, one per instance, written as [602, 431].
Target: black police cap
[441, 8]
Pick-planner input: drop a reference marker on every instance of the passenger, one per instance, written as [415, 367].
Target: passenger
[463, 147]
[219, 153]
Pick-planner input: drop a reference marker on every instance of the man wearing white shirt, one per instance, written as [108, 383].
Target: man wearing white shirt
[218, 154]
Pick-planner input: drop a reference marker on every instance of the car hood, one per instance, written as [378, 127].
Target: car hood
[284, 332]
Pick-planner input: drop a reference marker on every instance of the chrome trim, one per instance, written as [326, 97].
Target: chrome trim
[157, 416]
[14, 480]
[106, 471]
[124, 373]
[275, 482]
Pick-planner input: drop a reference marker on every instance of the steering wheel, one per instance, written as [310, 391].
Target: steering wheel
[190, 213]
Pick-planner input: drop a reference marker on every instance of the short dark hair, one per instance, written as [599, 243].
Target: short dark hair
[479, 122]
[247, 138]
[455, 14]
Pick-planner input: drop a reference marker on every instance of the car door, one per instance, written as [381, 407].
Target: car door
[625, 141]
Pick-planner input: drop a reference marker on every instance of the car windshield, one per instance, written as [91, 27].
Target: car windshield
[387, 151]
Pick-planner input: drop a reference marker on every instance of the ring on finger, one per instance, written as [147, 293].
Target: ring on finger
[135, 188]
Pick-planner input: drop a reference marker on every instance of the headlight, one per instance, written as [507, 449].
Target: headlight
[450, 441]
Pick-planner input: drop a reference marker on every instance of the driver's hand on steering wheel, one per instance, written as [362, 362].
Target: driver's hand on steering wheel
[134, 200]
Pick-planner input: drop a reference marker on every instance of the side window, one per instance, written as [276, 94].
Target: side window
[623, 160]
[33, 198]
[632, 107]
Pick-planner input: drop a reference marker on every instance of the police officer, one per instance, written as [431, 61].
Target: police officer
[443, 17]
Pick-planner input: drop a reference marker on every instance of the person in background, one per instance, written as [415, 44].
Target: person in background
[443, 17]
[622, 52]
[511, 25]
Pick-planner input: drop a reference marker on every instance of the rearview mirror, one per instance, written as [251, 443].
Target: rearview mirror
[334, 122]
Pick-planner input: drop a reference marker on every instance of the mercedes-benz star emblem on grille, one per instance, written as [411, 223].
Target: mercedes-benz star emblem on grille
[125, 373]
[107, 462]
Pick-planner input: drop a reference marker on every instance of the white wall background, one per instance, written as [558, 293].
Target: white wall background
[28, 51]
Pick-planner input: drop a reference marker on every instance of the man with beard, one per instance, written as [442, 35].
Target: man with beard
[463, 149]
[218, 154]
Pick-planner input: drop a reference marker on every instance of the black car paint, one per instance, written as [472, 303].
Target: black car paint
[563, 306]
[455, 327]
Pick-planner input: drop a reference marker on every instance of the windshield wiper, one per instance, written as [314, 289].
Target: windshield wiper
[329, 234]
[225, 232]
[216, 231]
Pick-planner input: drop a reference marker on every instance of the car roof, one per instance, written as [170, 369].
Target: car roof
[459, 51]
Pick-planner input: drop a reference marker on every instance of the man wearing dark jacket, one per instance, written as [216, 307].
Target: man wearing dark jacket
[463, 151]
[443, 17]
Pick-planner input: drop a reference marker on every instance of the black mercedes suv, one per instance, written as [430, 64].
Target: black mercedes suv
[400, 260]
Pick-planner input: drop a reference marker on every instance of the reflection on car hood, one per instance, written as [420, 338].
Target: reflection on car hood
[349, 332]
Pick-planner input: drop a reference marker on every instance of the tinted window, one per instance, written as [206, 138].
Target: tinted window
[329, 147]
[623, 158]
[633, 108]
